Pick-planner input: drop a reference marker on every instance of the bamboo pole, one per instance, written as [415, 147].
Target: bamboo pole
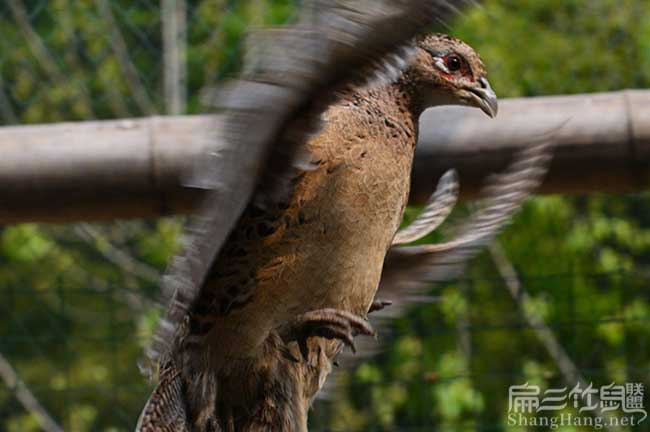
[134, 168]
[604, 145]
[174, 32]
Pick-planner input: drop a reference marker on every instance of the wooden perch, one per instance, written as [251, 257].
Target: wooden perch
[603, 144]
[134, 168]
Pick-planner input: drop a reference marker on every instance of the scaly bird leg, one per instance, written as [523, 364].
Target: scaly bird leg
[329, 324]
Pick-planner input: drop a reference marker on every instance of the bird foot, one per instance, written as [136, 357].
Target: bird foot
[378, 305]
[329, 324]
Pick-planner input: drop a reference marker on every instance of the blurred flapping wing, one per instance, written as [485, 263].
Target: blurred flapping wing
[409, 271]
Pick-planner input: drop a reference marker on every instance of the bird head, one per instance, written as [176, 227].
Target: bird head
[447, 71]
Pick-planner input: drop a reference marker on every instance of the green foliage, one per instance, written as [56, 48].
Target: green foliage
[78, 309]
[561, 47]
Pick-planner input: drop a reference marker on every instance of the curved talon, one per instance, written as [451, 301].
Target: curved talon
[330, 324]
[378, 305]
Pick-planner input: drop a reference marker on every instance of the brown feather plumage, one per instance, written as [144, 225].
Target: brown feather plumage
[238, 293]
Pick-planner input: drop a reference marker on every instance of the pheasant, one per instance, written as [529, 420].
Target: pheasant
[305, 269]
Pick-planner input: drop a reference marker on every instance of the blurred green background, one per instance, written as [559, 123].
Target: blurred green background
[77, 301]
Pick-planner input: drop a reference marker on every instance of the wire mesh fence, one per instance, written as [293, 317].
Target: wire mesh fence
[563, 299]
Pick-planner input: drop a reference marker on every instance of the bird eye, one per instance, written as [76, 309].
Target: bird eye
[454, 63]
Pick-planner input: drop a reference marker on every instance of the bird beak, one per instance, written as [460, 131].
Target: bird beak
[485, 98]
